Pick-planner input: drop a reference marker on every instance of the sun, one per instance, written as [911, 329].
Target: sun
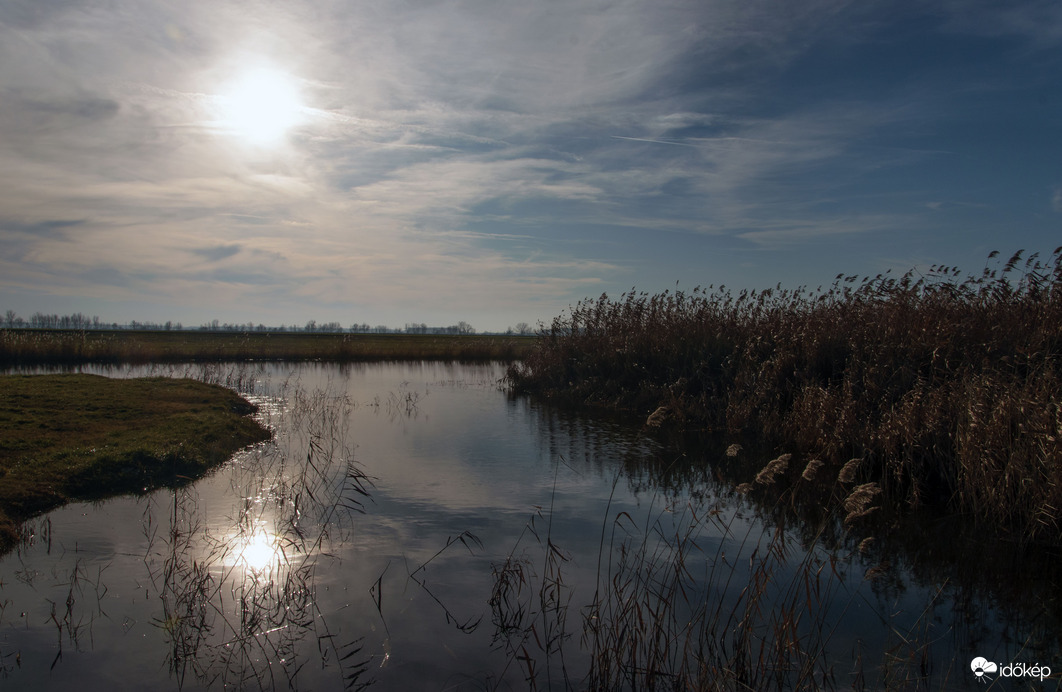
[261, 106]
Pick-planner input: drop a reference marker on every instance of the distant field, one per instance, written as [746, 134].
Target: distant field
[48, 346]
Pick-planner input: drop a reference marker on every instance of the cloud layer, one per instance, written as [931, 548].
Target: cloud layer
[495, 161]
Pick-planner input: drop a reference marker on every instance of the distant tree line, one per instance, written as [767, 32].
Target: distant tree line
[39, 320]
[521, 328]
[11, 320]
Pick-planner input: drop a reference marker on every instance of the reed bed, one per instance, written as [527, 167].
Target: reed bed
[21, 347]
[946, 389]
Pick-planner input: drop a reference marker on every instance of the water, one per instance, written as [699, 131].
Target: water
[412, 526]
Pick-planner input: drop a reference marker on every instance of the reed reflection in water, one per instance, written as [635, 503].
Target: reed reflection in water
[413, 527]
[238, 587]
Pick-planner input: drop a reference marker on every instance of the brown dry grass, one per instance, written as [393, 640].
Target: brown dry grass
[71, 347]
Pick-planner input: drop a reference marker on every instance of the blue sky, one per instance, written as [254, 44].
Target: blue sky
[494, 161]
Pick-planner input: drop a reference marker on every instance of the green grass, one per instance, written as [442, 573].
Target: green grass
[948, 390]
[61, 347]
[81, 437]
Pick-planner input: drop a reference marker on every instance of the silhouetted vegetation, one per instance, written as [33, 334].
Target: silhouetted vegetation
[70, 347]
[947, 390]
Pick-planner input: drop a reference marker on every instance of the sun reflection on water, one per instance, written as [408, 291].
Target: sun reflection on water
[257, 551]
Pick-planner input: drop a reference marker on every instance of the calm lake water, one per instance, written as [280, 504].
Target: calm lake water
[413, 526]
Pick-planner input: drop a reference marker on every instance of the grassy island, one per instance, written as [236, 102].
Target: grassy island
[82, 437]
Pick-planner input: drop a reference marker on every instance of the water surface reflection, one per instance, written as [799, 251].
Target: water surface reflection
[412, 526]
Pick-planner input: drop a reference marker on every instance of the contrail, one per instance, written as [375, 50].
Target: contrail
[655, 141]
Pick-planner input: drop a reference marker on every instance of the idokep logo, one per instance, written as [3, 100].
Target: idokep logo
[984, 669]
[982, 666]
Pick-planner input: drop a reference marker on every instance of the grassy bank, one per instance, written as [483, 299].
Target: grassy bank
[79, 437]
[948, 390]
[70, 347]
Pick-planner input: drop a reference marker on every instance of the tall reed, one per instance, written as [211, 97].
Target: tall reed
[948, 388]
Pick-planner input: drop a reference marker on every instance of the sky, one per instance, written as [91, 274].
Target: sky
[495, 161]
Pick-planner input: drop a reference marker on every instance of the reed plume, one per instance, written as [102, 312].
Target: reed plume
[812, 469]
[773, 469]
[848, 471]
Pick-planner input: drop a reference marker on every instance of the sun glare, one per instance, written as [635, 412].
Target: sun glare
[257, 552]
[261, 106]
